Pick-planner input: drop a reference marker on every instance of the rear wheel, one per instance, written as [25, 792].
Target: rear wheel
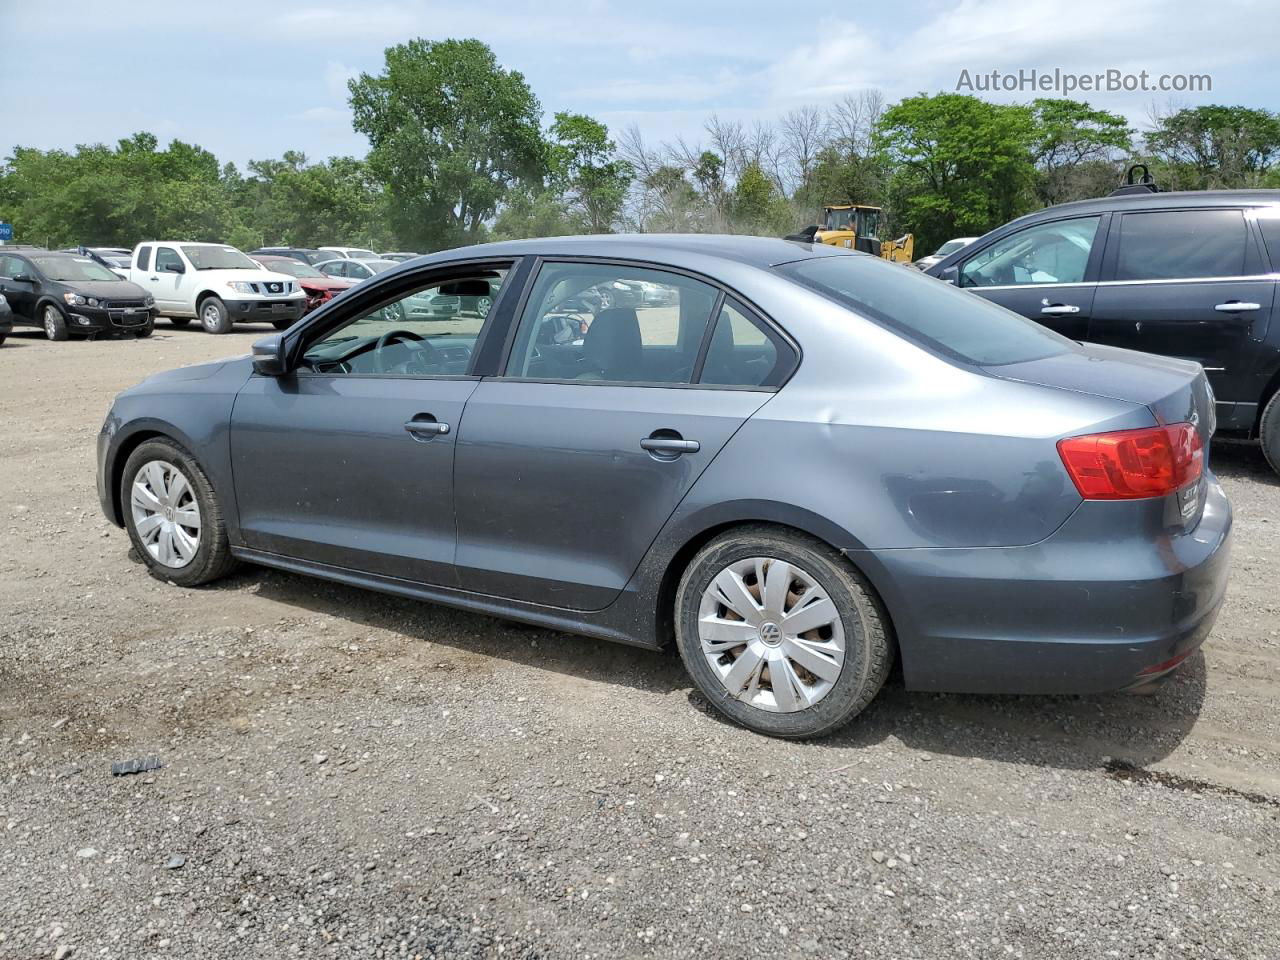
[173, 515]
[54, 323]
[1269, 431]
[780, 633]
[179, 321]
[214, 316]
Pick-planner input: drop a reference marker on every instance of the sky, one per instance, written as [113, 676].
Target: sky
[249, 80]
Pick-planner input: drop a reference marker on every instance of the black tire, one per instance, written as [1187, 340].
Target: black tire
[179, 321]
[214, 316]
[869, 647]
[2, 336]
[1269, 431]
[283, 324]
[146, 330]
[212, 558]
[53, 322]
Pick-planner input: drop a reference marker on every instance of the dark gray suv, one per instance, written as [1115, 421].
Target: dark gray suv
[795, 461]
[1190, 275]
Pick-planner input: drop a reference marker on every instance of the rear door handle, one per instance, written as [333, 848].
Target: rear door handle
[1235, 306]
[1060, 308]
[669, 445]
[424, 427]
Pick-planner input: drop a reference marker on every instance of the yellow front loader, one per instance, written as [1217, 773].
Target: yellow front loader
[858, 228]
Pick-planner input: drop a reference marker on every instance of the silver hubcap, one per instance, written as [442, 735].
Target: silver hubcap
[50, 323]
[165, 513]
[483, 305]
[771, 634]
[211, 316]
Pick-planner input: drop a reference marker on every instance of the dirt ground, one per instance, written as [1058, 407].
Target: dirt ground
[347, 774]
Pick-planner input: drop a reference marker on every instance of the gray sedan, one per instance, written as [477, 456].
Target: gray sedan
[793, 462]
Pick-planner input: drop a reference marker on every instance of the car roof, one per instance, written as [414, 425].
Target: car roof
[1157, 201]
[753, 251]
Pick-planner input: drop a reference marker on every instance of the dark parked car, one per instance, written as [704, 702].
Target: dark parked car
[304, 254]
[319, 288]
[67, 294]
[799, 464]
[1189, 275]
[6, 318]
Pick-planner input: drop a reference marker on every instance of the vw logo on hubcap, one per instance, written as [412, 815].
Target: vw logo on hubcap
[771, 634]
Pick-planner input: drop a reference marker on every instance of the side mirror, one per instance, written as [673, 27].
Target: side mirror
[174, 268]
[24, 278]
[950, 275]
[269, 357]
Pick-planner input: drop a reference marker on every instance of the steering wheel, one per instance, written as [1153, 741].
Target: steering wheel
[393, 336]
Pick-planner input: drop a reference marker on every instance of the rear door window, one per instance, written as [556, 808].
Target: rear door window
[744, 352]
[144, 258]
[616, 323]
[1182, 245]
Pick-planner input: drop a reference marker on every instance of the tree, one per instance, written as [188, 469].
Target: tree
[585, 168]
[1215, 147]
[1076, 149]
[450, 132]
[962, 165]
[754, 204]
[292, 201]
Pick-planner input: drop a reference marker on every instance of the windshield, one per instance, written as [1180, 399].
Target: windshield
[72, 269]
[294, 268]
[362, 254]
[218, 258]
[928, 311]
[951, 246]
[377, 266]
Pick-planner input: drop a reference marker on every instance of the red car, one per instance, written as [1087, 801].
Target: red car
[318, 287]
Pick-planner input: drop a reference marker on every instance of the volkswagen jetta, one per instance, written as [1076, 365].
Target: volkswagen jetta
[795, 462]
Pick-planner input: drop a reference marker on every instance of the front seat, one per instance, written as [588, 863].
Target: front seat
[612, 348]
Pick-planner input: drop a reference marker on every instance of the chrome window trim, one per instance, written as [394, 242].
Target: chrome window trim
[1273, 277]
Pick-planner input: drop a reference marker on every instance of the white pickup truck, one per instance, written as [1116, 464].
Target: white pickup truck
[214, 283]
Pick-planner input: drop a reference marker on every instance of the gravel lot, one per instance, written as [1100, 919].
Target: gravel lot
[347, 774]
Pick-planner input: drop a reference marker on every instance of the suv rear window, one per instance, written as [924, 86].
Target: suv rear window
[928, 311]
[1182, 244]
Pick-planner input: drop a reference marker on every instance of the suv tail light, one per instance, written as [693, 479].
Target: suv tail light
[1132, 464]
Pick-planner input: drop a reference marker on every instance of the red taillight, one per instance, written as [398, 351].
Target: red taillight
[1131, 464]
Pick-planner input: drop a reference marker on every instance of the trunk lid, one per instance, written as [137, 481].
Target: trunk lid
[1176, 391]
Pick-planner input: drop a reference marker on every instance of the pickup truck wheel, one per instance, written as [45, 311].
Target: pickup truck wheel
[55, 325]
[147, 330]
[213, 315]
[283, 324]
[179, 321]
[1269, 431]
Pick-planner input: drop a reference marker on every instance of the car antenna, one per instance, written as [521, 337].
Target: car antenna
[1145, 183]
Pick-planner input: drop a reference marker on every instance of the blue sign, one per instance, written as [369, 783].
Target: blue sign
[6, 232]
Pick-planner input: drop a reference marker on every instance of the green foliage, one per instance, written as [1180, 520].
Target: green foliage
[450, 133]
[1076, 150]
[1215, 147]
[583, 169]
[961, 165]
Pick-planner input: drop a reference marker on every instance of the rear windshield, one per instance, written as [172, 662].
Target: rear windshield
[928, 311]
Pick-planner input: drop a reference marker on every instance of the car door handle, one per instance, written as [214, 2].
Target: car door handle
[426, 429]
[1235, 306]
[670, 445]
[1056, 309]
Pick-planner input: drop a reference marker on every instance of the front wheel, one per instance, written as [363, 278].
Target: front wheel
[780, 633]
[146, 329]
[179, 321]
[173, 515]
[55, 324]
[214, 316]
[283, 324]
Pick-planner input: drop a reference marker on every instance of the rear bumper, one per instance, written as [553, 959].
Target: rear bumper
[1085, 611]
